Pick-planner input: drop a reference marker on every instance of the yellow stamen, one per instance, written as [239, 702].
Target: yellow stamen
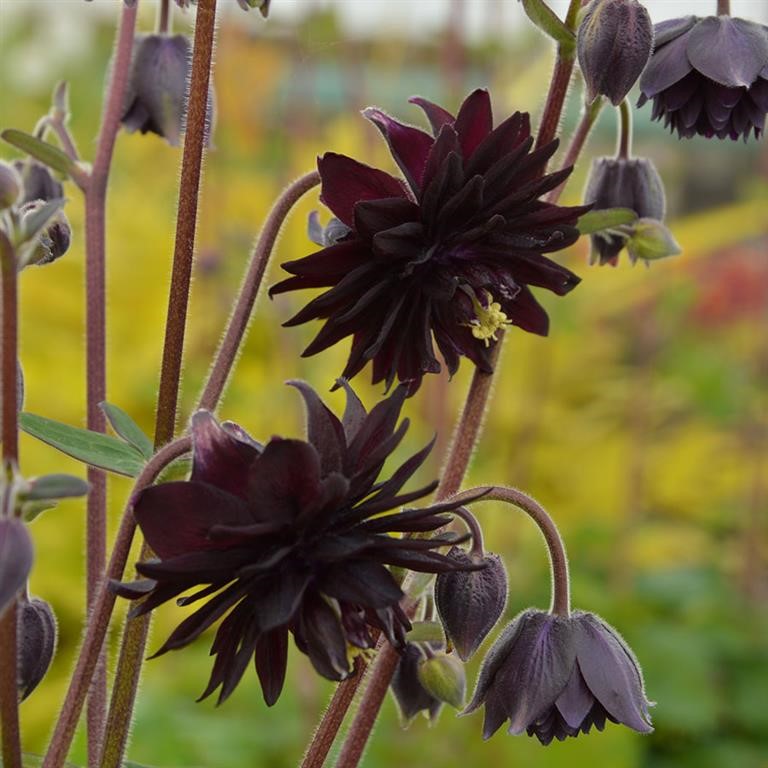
[488, 319]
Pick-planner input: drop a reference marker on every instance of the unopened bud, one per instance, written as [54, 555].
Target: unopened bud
[38, 182]
[10, 186]
[651, 240]
[36, 632]
[443, 677]
[622, 183]
[614, 43]
[470, 603]
[16, 556]
[53, 242]
[409, 693]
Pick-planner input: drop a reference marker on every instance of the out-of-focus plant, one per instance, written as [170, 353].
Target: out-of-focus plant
[301, 539]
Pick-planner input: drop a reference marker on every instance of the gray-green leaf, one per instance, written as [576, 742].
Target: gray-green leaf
[41, 150]
[57, 486]
[102, 451]
[128, 429]
[610, 218]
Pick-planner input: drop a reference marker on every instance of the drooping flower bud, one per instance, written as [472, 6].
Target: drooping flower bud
[38, 182]
[470, 603]
[37, 632]
[614, 44]
[53, 242]
[622, 183]
[651, 240]
[16, 556]
[156, 97]
[10, 186]
[409, 693]
[443, 677]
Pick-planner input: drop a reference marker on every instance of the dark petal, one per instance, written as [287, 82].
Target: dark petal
[360, 582]
[525, 312]
[447, 180]
[132, 590]
[536, 669]
[225, 644]
[412, 521]
[276, 597]
[404, 242]
[382, 502]
[720, 101]
[220, 459]
[437, 116]
[239, 663]
[176, 518]
[409, 146]
[424, 562]
[405, 471]
[495, 713]
[728, 50]
[459, 208]
[193, 626]
[446, 144]
[200, 567]
[346, 182]
[539, 271]
[576, 700]
[36, 643]
[668, 65]
[16, 557]
[495, 659]
[335, 260]
[285, 481]
[668, 30]
[271, 659]
[236, 431]
[324, 637]
[161, 594]
[368, 465]
[373, 216]
[474, 121]
[324, 430]
[611, 672]
[504, 138]
[354, 412]
[502, 173]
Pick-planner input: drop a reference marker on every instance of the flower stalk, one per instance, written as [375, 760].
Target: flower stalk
[135, 632]
[96, 386]
[9, 700]
[625, 130]
[723, 7]
[164, 17]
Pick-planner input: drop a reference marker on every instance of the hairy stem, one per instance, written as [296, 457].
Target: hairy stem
[102, 610]
[238, 322]
[135, 632]
[9, 697]
[477, 550]
[625, 130]
[95, 319]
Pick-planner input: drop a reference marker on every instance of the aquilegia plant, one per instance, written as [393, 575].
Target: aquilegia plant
[321, 541]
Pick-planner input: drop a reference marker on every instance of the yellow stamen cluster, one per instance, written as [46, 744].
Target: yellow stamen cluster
[488, 319]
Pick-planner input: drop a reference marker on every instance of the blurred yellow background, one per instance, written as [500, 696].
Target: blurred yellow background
[641, 423]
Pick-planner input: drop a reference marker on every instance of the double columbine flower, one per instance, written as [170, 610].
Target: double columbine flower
[709, 77]
[447, 253]
[554, 676]
[290, 537]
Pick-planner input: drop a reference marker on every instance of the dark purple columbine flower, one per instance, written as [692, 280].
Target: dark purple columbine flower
[290, 537]
[447, 253]
[555, 677]
[709, 76]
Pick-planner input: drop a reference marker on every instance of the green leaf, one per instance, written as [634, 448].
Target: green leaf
[128, 429]
[102, 451]
[426, 632]
[41, 150]
[31, 510]
[550, 24]
[593, 222]
[52, 487]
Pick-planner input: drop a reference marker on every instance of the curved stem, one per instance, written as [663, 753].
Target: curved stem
[95, 319]
[9, 697]
[475, 530]
[625, 130]
[135, 633]
[102, 610]
[238, 322]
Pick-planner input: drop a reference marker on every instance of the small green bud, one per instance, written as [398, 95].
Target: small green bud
[443, 677]
[651, 240]
[409, 693]
[10, 186]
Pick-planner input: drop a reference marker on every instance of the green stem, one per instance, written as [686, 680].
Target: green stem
[96, 387]
[102, 610]
[135, 632]
[9, 697]
[625, 130]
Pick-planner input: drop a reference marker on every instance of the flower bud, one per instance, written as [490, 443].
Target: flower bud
[10, 186]
[156, 97]
[38, 182]
[470, 603]
[442, 676]
[651, 240]
[614, 43]
[409, 693]
[36, 632]
[53, 242]
[622, 183]
[16, 556]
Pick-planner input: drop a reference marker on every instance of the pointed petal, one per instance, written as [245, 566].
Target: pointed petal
[668, 65]
[16, 557]
[271, 659]
[325, 639]
[668, 30]
[576, 700]
[437, 116]
[474, 122]
[361, 583]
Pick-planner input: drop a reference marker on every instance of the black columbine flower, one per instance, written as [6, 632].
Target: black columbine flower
[289, 537]
[555, 677]
[709, 76]
[447, 253]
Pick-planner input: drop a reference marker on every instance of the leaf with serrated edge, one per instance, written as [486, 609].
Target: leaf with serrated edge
[128, 429]
[102, 451]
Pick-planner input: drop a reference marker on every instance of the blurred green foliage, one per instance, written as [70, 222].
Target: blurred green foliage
[640, 423]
